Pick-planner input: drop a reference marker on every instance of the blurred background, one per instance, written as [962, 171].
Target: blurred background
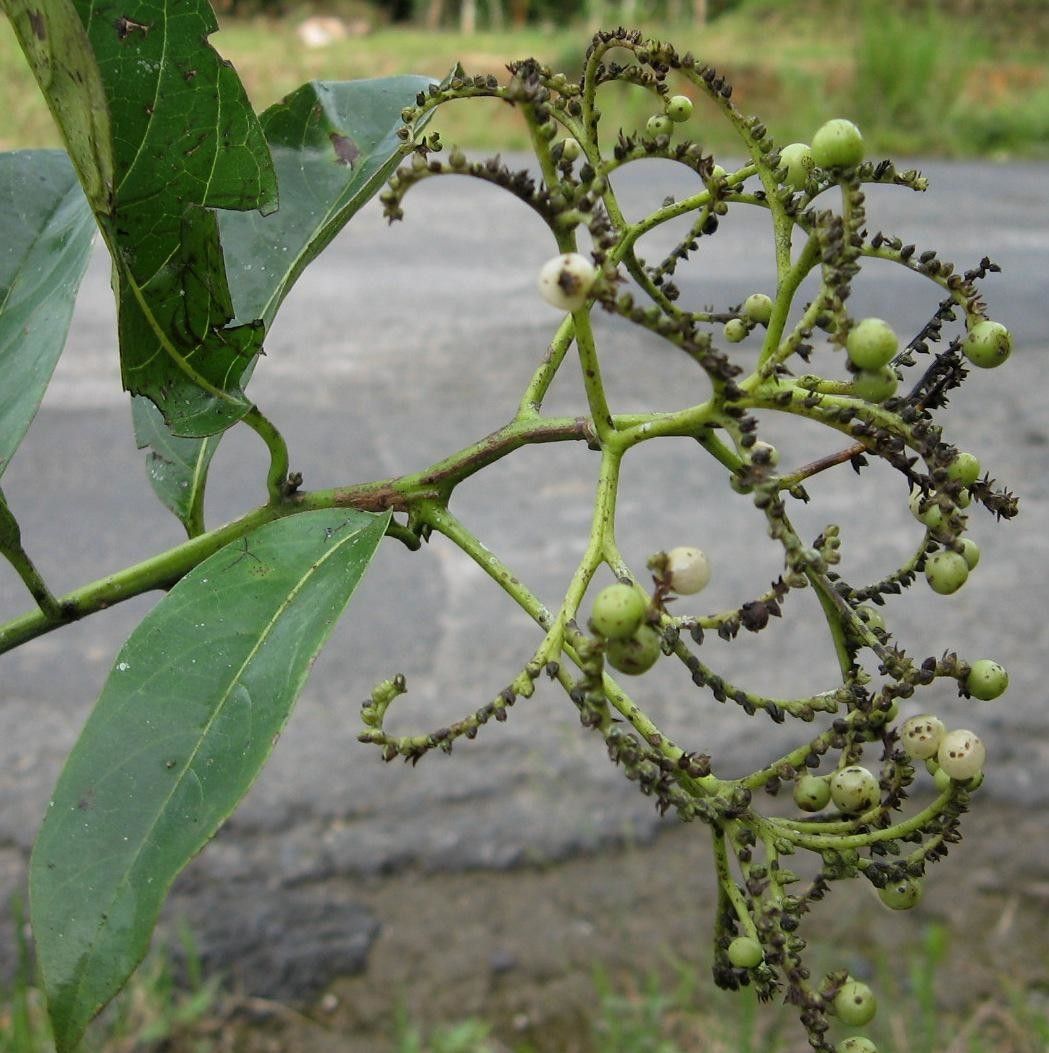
[520, 897]
[933, 77]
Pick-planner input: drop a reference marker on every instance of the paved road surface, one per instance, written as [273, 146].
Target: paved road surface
[401, 346]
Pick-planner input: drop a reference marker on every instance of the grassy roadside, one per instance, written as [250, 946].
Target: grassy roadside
[918, 84]
[673, 1011]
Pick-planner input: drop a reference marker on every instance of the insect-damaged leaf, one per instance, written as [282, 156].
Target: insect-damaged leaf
[161, 133]
[45, 240]
[333, 145]
[187, 718]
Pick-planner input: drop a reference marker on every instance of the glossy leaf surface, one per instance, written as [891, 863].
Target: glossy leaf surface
[161, 133]
[45, 240]
[190, 712]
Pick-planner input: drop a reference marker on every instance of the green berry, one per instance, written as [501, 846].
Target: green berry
[679, 108]
[961, 755]
[658, 125]
[871, 616]
[871, 344]
[965, 468]
[986, 679]
[570, 150]
[854, 789]
[903, 894]
[920, 736]
[856, 1044]
[927, 510]
[636, 654]
[688, 570]
[744, 952]
[875, 385]
[797, 160]
[758, 308]
[855, 1004]
[970, 552]
[566, 280]
[988, 344]
[618, 612]
[718, 172]
[837, 144]
[946, 571]
[736, 330]
[812, 793]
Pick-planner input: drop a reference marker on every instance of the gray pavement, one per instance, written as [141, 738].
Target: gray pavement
[402, 345]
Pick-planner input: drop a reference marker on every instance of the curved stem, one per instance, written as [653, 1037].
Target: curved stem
[277, 476]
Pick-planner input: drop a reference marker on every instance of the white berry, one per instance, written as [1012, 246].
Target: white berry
[565, 281]
[961, 755]
[921, 736]
[688, 570]
[854, 789]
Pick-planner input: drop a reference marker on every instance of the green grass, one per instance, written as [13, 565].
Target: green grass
[677, 1011]
[915, 81]
[157, 1010]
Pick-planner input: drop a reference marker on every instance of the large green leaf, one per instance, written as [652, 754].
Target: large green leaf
[190, 712]
[45, 240]
[161, 133]
[333, 145]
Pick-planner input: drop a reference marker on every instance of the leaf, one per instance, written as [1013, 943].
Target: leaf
[333, 144]
[177, 467]
[45, 240]
[161, 133]
[190, 712]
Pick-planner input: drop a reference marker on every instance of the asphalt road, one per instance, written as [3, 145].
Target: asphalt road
[401, 345]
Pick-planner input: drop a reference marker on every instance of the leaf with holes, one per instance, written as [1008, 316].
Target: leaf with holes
[190, 713]
[333, 145]
[161, 134]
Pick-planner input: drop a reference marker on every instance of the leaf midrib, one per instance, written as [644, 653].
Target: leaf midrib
[285, 603]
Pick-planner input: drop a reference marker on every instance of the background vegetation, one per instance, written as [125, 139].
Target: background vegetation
[674, 1011]
[956, 78]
